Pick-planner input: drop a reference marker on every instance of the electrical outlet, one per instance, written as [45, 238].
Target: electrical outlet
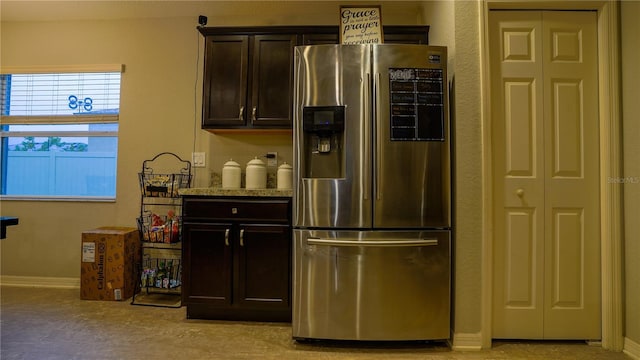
[272, 159]
[198, 159]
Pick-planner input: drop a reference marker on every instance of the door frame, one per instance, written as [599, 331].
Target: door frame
[610, 163]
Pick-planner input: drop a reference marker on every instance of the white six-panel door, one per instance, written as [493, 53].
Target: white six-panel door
[544, 108]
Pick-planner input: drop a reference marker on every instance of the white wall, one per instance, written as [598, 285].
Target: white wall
[157, 114]
[468, 171]
[630, 13]
[161, 49]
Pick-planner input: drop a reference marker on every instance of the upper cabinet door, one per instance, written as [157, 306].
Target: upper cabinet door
[225, 81]
[406, 34]
[392, 35]
[271, 82]
[395, 38]
[320, 39]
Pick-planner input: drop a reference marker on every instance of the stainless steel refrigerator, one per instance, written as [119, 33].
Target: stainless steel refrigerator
[372, 193]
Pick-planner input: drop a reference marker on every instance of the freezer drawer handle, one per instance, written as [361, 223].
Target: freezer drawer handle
[394, 243]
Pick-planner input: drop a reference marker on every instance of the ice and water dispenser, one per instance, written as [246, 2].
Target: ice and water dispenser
[323, 128]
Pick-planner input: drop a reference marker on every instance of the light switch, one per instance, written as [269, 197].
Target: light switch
[198, 159]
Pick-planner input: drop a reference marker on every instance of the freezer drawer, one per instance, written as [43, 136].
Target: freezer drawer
[371, 285]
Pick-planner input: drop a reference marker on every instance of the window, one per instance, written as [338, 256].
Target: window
[59, 133]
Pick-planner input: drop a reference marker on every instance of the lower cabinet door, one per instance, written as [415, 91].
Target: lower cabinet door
[262, 274]
[207, 250]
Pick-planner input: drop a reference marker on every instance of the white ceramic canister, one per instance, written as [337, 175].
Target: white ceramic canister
[285, 176]
[231, 175]
[256, 174]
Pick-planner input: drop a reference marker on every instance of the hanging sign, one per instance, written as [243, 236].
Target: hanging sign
[360, 25]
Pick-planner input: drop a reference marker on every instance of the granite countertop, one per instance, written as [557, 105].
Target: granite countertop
[218, 191]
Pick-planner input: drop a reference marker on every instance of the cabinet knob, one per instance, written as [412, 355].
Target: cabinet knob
[234, 211]
[520, 192]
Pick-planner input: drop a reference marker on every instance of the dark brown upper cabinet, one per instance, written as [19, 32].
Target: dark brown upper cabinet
[319, 35]
[248, 81]
[320, 39]
[248, 71]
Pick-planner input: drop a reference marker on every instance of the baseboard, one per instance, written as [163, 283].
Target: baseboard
[466, 342]
[631, 348]
[39, 281]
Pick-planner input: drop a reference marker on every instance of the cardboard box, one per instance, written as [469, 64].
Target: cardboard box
[108, 266]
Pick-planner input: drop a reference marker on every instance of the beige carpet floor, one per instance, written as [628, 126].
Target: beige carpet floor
[39, 323]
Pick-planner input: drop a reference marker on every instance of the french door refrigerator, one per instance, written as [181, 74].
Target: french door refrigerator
[372, 194]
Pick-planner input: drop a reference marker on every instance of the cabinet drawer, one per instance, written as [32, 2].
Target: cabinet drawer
[237, 210]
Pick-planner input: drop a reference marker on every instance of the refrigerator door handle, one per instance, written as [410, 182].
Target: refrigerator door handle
[375, 243]
[366, 166]
[378, 169]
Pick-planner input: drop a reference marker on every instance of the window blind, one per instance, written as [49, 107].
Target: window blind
[60, 95]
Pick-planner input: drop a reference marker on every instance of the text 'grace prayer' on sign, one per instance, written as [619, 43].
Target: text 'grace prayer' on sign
[360, 25]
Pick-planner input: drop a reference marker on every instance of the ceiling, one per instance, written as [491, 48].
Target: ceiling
[49, 10]
[56, 10]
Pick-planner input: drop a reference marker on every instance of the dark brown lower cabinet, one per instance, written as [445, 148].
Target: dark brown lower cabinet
[237, 263]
